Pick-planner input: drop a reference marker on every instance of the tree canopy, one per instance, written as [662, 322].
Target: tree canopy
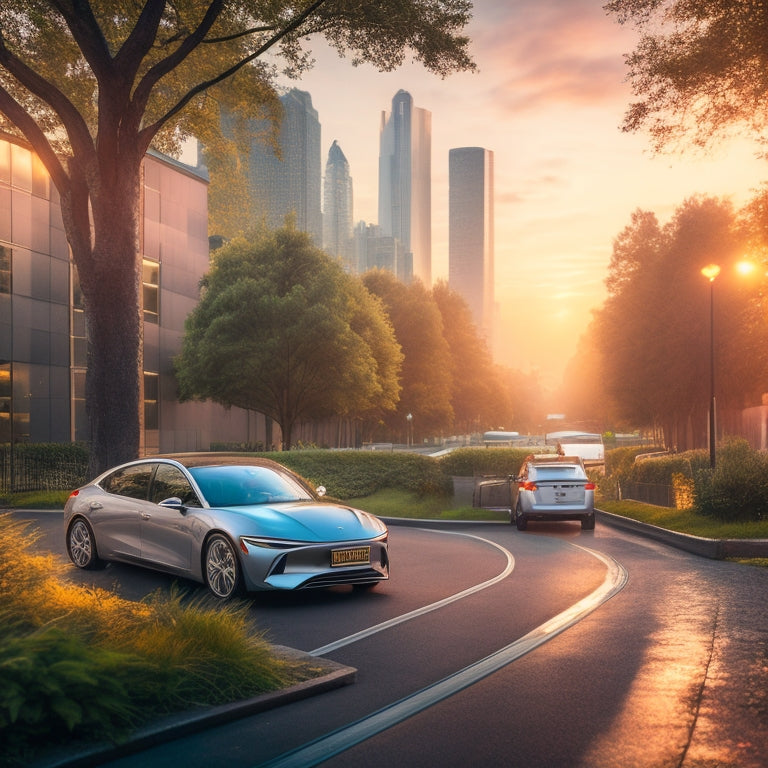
[282, 330]
[92, 84]
[653, 332]
[426, 376]
[700, 69]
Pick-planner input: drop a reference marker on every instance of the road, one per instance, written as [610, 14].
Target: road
[552, 648]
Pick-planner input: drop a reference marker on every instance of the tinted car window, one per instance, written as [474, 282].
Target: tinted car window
[170, 481]
[242, 485]
[130, 481]
[559, 473]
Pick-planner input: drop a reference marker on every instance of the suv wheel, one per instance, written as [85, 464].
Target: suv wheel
[588, 522]
[520, 520]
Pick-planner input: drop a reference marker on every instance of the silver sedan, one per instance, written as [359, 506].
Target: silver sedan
[232, 522]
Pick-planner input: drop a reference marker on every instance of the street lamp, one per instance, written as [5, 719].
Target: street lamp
[409, 434]
[711, 271]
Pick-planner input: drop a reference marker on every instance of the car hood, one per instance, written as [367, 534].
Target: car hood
[305, 521]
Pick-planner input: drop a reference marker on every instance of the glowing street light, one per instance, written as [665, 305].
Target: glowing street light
[711, 271]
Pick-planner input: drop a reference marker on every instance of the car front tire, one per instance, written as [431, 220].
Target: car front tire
[81, 546]
[221, 568]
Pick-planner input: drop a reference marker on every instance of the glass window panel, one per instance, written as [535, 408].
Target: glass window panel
[40, 216]
[5, 269]
[5, 162]
[40, 178]
[41, 276]
[132, 482]
[5, 212]
[151, 410]
[21, 168]
[59, 281]
[21, 218]
[169, 482]
[150, 292]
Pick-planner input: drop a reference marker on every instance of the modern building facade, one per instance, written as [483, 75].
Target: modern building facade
[405, 181]
[42, 322]
[374, 250]
[338, 209]
[291, 182]
[470, 232]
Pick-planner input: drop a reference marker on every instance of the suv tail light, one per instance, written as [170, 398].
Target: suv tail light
[528, 485]
[589, 487]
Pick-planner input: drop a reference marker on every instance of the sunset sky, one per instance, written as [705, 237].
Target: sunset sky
[548, 99]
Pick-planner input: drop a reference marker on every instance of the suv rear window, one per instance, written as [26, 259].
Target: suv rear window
[568, 472]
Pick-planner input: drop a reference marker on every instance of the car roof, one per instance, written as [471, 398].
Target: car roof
[218, 459]
[552, 458]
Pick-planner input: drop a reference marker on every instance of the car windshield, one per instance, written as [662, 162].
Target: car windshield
[237, 486]
[562, 472]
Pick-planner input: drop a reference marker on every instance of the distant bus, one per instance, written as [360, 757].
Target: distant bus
[587, 445]
[499, 437]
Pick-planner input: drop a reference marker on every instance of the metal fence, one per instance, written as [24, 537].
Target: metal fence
[20, 473]
[649, 493]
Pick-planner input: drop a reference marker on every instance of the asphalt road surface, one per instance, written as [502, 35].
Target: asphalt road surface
[488, 646]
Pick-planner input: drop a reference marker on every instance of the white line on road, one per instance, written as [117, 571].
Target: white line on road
[427, 608]
[336, 742]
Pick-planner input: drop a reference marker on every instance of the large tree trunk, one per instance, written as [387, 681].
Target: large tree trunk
[110, 276]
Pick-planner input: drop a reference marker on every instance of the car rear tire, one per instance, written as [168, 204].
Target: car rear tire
[221, 568]
[588, 522]
[520, 520]
[81, 546]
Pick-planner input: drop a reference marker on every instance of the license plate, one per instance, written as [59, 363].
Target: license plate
[354, 556]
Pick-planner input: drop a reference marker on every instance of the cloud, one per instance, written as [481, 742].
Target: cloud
[554, 52]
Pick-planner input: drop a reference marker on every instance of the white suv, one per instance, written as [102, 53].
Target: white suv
[553, 488]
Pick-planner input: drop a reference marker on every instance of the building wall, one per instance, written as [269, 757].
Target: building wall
[290, 183]
[405, 181]
[338, 209]
[42, 325]
[471, 231]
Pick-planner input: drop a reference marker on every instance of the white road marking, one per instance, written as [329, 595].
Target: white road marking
[336, 742]
[427, 608]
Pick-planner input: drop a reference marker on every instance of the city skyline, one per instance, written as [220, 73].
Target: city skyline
[548, 99]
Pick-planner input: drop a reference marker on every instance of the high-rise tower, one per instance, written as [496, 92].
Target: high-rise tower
[405, 181]
[337, 208]
[291, 182]
[470, 231]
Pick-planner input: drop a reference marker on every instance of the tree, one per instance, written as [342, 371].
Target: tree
[653, 332]
[478, 396]
[700, 68]
[426, 376]
[282, 330]
[92, 84]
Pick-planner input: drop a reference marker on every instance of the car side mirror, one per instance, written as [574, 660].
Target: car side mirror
[174, 502]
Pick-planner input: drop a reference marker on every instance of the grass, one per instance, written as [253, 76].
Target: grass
[397, 503]
[686, 521]
[82, 664]
[35, 500]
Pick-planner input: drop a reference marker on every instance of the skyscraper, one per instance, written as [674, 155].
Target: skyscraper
[405, 181]
[337, 208]
[291, 182]
[470, 231]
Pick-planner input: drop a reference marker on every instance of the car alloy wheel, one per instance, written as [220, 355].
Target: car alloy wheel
[81, 546]
[222, 571]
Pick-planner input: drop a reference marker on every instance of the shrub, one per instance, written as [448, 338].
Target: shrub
[737, 489]
[353, 474]
[468, 462]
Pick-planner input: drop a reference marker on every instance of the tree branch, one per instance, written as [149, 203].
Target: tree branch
[292, 26]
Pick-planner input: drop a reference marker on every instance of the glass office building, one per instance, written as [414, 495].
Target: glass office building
[42, 323]
[405, 181]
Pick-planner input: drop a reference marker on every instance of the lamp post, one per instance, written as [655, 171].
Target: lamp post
[409, 433]
[711, 271]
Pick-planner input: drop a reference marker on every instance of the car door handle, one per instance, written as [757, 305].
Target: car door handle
[95, 505]
[145, 515]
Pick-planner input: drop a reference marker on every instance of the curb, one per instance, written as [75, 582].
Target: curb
[714, 549]
[175, 726]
